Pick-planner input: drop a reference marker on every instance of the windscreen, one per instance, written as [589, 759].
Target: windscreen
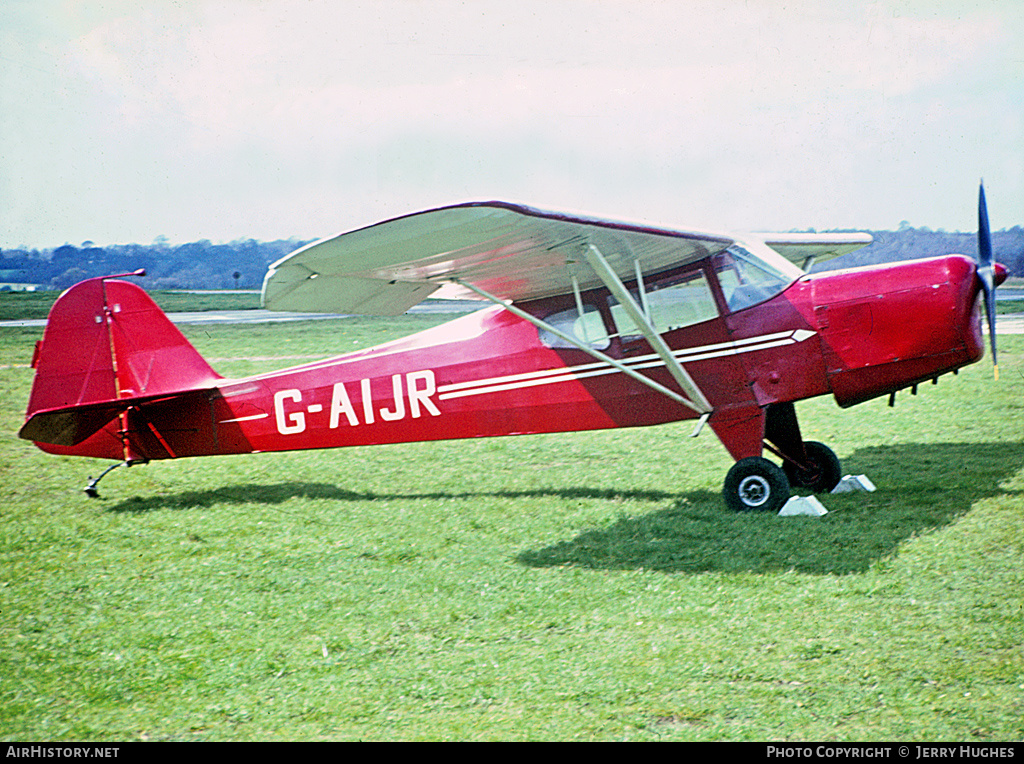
[747, 279]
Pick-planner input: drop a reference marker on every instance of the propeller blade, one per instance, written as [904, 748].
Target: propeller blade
[986, 272]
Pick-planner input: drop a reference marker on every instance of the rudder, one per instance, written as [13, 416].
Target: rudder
[107, 341]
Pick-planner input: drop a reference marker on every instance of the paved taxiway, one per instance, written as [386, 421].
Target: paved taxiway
[259, 316]
[1005, 324]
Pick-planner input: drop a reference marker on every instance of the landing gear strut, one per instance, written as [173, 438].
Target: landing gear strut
[754, 483]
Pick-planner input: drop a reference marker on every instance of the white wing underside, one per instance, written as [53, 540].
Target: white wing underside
[799, 248]
[512, 252]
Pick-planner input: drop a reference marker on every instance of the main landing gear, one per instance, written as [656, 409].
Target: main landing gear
[819, 470]
[757, 484]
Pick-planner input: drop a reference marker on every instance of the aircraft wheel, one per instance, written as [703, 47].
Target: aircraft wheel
[822, 471]
[755, 484]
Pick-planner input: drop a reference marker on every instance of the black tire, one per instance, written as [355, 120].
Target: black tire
[821, 472]
[755, 484]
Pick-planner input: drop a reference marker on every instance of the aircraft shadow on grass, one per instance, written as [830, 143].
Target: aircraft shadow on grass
[921, 487]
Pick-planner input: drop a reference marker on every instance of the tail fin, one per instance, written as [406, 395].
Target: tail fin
[105, 346]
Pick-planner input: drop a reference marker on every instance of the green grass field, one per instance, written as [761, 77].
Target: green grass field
[568, 587]
[25, 305]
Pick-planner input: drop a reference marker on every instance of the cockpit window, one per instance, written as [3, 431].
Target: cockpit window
[747, 279]
[589, 329]
[673, 304]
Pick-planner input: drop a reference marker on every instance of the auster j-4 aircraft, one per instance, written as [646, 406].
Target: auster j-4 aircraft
[593, 324]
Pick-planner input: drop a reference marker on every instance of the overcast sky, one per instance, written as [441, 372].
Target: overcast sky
[122, 121]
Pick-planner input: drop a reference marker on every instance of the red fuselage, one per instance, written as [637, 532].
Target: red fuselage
[856, 334]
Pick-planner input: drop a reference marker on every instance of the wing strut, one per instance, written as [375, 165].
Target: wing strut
[584, 347]
[641, 318]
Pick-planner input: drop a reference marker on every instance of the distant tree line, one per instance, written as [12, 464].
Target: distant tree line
[909, 243]
[242, 264]
[197, 265]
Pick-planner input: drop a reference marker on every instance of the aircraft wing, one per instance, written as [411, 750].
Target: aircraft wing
[801, 248]
[511, 251]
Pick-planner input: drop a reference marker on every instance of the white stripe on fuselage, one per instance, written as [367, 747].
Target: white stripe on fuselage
[419, 385]
[650, 361]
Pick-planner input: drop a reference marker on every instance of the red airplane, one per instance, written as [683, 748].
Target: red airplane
[594, 324]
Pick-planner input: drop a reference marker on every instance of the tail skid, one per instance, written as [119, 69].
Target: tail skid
[106, 349]
[92, 487]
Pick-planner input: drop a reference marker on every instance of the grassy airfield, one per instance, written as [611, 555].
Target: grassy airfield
[566, 587]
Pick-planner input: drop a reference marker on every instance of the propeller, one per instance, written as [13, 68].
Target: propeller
[987, 272]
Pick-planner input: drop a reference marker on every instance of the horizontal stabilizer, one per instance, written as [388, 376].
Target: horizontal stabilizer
[72, 425]
[803, 248]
